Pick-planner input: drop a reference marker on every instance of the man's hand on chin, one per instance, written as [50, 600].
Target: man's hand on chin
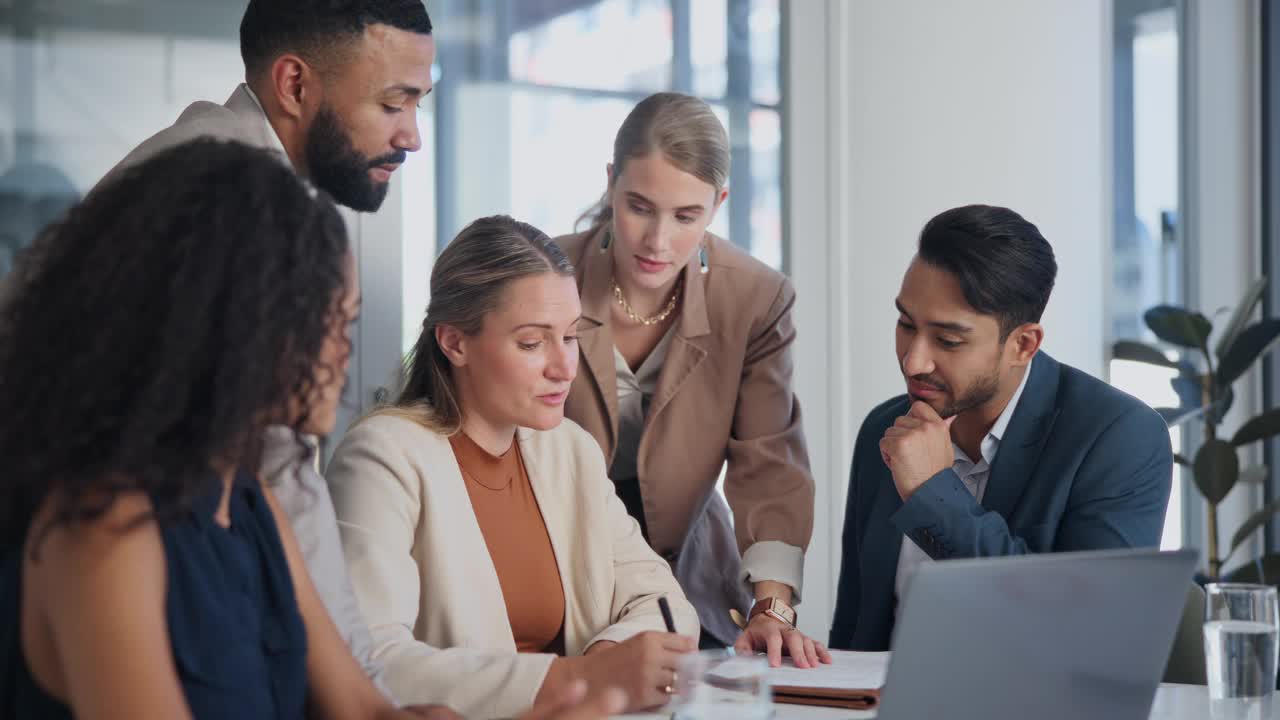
[917, 447]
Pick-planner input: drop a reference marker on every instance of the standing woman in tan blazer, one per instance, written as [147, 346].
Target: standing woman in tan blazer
[686, 348]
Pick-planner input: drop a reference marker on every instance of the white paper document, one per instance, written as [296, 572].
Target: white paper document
[848, 671]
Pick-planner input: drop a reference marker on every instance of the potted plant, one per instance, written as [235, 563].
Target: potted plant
[1204, 386]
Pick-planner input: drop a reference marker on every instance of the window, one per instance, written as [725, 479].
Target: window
[1147, 257]
[1270, 211]
[83, 83]
[531, 95]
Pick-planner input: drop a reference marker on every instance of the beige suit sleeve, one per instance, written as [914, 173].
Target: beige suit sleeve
[767, 481]
[640, 576]
[377, 494]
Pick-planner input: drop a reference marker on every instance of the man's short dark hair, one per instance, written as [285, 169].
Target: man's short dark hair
[1004, 265]
[315, 28]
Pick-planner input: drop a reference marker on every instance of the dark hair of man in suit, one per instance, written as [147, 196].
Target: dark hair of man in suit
[1004, 265]
[969, 310]
[319, 30]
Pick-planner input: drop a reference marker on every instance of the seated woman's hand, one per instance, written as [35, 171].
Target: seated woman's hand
[643, 666]
[774, 637]
[573, 703]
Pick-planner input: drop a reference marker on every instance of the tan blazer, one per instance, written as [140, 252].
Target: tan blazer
[240, 118]
[427, 585]
[724, 394]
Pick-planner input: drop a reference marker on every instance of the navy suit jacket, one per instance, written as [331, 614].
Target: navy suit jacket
[1082, 466]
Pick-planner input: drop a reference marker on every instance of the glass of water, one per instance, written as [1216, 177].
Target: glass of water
[1240, 643]
[720, 685]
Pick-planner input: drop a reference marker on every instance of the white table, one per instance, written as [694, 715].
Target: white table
[1173, 702]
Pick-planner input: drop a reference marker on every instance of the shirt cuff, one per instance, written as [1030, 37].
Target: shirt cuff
[777, 561]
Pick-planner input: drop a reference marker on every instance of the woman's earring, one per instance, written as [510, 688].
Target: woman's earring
[702, 260]
[605, 241]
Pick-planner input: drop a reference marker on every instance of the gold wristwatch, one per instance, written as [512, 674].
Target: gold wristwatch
[771, 606]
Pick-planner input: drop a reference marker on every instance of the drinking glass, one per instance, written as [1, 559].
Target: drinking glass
[720, 685]
[1242, 622]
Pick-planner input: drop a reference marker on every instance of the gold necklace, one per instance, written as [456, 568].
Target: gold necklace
[654, 320]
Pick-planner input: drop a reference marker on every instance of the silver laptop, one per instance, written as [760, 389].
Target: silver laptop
[1053, 637]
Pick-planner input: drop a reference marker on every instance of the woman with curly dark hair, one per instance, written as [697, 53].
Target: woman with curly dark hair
[146, 571]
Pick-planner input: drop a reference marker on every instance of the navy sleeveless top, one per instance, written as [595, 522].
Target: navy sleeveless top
[239, 643]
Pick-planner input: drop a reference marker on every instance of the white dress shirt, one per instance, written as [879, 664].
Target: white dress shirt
[974, 475]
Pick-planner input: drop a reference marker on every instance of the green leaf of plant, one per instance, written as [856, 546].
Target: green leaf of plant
[1141, 352]
[1252, 523]
[1265, 570]
[1178, 326]
[1259, 428]
[1216, 469]
[1249, 346]
[1240, 316]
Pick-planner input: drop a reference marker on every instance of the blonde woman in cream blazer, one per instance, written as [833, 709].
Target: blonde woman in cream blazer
[418, 553]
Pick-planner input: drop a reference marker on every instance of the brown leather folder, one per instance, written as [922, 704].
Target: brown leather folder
[826, 697]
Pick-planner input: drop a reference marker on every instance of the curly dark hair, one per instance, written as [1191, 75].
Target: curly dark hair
[168, 318]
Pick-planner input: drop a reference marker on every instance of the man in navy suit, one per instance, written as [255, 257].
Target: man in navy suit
[996, 448]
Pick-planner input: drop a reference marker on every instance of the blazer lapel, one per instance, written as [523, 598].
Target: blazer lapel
[553, 507]
[687, 349]
[1025, 438]
[595, 336]
[487, 624]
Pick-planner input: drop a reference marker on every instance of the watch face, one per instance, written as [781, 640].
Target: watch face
[775, 607]
[784, 611]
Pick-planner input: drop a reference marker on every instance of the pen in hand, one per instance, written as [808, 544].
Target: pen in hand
[665, 607]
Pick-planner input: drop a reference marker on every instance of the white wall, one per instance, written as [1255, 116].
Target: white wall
[818, 263]
[932, 104]
[994, 101]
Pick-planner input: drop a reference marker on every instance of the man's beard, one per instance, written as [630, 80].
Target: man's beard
[339, 169]
[983, 389]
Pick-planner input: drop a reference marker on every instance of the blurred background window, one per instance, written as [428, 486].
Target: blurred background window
[1148, 257]
[84, 81]
[531, 94]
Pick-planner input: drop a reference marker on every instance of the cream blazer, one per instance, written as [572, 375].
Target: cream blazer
[427, 586]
